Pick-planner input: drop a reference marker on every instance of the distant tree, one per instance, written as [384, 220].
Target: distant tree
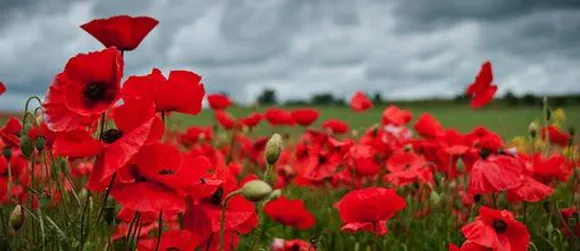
[267, 97]
[510, 98]
[377, 98]
[530, 99]
[296, 102]
[322, 99]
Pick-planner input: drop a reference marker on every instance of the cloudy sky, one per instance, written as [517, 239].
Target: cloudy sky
[405, 49]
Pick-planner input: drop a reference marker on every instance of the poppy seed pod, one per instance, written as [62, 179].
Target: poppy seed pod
[435, 198]
[7, 152]
[533, 130]
[273, 149]
[26, 146]
[256, 190]
[16, 219]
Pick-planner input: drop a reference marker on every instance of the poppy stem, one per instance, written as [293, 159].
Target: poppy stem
[525, 211]
[107, 192]
[232, 145]
[494, 199]
[375, 237]
[102, 129]
[160, 229]
[223, 218]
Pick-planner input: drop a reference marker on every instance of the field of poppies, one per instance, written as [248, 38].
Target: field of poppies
[107, 161]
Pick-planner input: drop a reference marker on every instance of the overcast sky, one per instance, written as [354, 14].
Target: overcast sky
[404, 49]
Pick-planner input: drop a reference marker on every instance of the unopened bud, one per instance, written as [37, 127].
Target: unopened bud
[39, 143]
[435, 199]
[275, 194]
[256, 190]
[16, 219]
[273, 149]
[26, 146]
[533, 129]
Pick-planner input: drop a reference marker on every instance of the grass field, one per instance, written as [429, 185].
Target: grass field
[507, 121]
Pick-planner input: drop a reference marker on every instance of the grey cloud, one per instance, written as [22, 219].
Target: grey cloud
[404, 49]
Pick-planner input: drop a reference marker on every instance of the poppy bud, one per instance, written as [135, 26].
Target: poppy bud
[7, 152]
[39, 143]
[275, 194]
[273, 149]
[256, 190]
[408, 148]
[26, 127]
[26, 146]
[354, 133]
[533, 130]
[435, 199]
[16, 219]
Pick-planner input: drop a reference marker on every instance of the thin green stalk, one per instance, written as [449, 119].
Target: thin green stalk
[83, 217]
[223, 218]
[160, 229]
[107, 192]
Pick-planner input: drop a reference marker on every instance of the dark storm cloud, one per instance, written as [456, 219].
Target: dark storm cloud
[403, 49]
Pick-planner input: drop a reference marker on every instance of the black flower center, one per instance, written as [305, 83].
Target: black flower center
[216, 197]
[95, 92]
[295, 247]
[484, 152]
[477, 198]
[322, 159]
[111, 136]
[499, 225]
[172, 249]
[166, 172]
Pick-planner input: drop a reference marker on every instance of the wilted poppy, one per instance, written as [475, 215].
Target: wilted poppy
[481, 90]
[124, 32]
[369, 209]
[88, 86]
[360, 102]
[290, 213]
[497, 230]
[305, 116]
[218, 101]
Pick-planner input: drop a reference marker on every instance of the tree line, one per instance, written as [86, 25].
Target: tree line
[269, 97]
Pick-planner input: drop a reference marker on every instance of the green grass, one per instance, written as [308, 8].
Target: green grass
[507, 121]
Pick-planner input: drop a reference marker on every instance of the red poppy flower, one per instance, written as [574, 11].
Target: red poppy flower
[482, 137]
[556, 136]
[364, 161]
[2, 88]
[182, 92]
[336, 126]
[77, 144]
[136, 125]
[494, 174]
[305, 117]
[163, 175]
[497, 230]
[172, 240]
[88, 86]
[290, 213]
[11, 131]
[394, 115]
[218, 101]
[481, 90]
[360, 102]
[124, 32]
[369, 209]
[18, 170]
[530, 190]
[225, 119]
[196, 134]
[407, 168]
[428, 126]
[278, 117]
[546, 169]
[291, 245]
[252, 121]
